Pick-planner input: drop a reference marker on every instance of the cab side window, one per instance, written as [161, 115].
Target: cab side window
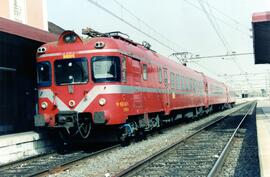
[145, 76]
[160, 75]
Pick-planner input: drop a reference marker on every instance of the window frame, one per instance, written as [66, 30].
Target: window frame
[172, 79]
[123, 69]
[178, 81]
[165, 77]
[160, 75]
[118, 70]
[49, 82]
[75, 83]
[144, 72]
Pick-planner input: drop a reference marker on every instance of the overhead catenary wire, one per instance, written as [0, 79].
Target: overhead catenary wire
[214, 25]
[224, 38]
[131, 25]
[147, 25]
[227, 16]
[213, 21]
[243, 32]
[212, 18]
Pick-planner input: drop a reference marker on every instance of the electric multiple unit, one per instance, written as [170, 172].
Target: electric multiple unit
[110, 82]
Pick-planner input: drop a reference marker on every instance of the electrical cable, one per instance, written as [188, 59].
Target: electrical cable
[147, 25]
[129, 24]
[221, 20]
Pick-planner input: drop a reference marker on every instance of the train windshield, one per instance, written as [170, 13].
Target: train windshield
[44, 74]
[71, 71]
[106, 69]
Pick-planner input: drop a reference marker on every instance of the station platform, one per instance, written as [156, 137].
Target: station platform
[15, 147]
[263, 136]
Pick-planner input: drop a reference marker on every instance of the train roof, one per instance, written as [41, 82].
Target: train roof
[119, 43]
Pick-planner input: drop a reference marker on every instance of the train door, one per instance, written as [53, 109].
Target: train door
[166, 101]
[136, 75]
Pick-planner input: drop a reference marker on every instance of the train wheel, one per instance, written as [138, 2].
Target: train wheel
[124, 136]
[84, 126]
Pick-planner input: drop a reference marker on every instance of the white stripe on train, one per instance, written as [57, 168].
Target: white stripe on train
[106, 89]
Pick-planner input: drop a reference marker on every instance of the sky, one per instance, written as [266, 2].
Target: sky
[200, 27]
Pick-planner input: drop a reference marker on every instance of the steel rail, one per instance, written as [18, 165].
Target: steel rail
[59, 166]
[220, 161]
[132, 169]
[68, 164]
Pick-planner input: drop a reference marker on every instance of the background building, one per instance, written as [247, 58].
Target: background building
[29, 12]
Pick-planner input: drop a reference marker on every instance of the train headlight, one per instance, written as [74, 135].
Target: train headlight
[71, 103]
[41, 50]
[102, 101]
[44, 105]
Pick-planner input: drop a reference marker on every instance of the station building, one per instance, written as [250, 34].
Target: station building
[23, 28]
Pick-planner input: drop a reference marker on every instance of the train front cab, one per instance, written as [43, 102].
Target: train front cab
[78, 91]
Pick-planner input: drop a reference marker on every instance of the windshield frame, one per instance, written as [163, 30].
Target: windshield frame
[45, 83]
[116, 59]
[71, 59]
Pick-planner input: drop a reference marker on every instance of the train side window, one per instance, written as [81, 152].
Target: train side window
[191, 84]
[124, 69]
[106, 69]
[172, 80]
[144, 72]
[177, 81]
[160, 75]
[182, 83]
[194, 85]
[187, 84]
[165, 77]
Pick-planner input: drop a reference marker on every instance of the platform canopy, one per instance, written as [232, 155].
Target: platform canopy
[261, 37]
[26, 31]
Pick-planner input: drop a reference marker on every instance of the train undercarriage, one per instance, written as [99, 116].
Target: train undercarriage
[78, 127]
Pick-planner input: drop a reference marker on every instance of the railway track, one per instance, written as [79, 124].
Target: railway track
[200, 154]
[54, 163]
[50, 163]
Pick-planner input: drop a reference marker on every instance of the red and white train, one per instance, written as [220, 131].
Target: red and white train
[110, 82]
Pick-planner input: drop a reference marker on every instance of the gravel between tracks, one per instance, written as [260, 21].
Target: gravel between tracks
[243, 158]
[121, 158]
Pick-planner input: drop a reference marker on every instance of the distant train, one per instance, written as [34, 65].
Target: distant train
[109, 82]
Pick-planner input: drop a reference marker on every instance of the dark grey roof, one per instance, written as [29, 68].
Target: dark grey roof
[55, 29]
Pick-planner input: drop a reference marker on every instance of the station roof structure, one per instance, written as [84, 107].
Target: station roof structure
[261, 16]
[261, 37]
[26, 31]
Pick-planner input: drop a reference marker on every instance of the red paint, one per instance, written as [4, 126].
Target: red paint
[121, 105]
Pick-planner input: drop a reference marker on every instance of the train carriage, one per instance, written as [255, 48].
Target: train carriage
[111, 81]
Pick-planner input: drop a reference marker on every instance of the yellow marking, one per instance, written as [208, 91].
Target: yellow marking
[126, 109]
[65, 56]
[173, 95]
[122, 104]
[117, 104]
